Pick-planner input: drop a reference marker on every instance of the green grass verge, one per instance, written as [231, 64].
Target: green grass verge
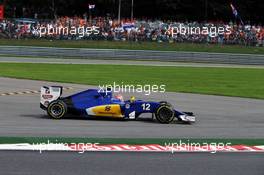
[241, 82]
[136, 46]
[130, 141]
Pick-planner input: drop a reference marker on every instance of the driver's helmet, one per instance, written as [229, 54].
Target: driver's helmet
[132, 99]
[119, 97]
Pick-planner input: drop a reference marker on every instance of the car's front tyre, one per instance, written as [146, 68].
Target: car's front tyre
[165, 113]
[57, 109]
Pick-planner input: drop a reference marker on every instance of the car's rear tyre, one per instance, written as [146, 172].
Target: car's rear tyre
[57, 109]
[165, 113]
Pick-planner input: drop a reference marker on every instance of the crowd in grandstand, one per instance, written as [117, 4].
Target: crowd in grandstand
[132, 30]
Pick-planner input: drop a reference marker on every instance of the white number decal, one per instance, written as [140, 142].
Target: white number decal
[146, 106]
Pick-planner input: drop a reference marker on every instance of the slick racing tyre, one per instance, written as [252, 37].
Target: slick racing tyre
[165, 113]
[57, 109]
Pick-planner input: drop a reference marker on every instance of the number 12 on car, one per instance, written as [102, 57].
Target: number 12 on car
[146, 106]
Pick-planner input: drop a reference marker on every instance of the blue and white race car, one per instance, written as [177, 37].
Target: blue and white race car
[102, 103]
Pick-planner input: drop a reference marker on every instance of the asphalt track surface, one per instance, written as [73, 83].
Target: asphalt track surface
[132, 55]
[217, 117]
[53, 163]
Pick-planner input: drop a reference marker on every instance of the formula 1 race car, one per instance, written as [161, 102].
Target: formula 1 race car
[102, 103]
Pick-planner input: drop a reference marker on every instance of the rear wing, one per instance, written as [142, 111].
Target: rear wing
[49, 94]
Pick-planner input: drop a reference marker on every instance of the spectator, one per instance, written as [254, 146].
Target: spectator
[134, 30]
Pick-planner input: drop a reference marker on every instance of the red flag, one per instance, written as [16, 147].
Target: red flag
[1, 12]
